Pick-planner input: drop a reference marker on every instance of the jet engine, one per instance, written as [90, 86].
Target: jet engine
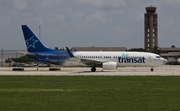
[109, 65]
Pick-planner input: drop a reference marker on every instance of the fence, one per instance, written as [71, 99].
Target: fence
[5, 54]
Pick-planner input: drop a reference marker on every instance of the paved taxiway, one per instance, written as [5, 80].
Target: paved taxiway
[76, 71]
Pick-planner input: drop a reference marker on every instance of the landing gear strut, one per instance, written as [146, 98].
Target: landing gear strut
[152, 69]
[93, 69]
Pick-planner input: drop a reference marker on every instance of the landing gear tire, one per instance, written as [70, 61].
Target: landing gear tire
[93, 69]
[152, 69]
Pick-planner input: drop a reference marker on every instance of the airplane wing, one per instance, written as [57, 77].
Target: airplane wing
[93, 62]
[88, 62]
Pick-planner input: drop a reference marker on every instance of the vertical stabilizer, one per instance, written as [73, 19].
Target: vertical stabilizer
[32, 42]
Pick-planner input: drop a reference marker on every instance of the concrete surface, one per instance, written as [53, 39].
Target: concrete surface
[167, 70]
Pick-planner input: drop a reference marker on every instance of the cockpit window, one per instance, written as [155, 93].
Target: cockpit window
[158, 57]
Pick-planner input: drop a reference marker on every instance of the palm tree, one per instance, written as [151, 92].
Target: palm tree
[173, 46]
[8, 61]
[177, 57]
[155, 50]
[56, 48]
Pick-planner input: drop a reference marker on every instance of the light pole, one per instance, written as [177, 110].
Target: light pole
[1, 57]
[39, 32]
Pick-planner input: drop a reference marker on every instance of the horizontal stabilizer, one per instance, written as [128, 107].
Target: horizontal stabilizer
[26, 53]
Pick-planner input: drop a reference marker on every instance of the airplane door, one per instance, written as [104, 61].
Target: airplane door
[150, 59]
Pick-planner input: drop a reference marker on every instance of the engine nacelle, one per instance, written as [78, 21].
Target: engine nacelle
[179, 60]
[109, 65]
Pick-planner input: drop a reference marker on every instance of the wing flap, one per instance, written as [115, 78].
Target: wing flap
[92, 62]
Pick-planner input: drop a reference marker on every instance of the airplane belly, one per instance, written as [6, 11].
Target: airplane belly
[73, 62]
[128, 65]
[146, 64]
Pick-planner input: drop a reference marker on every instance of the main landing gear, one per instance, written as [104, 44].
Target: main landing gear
[152, 69]
[93, 69]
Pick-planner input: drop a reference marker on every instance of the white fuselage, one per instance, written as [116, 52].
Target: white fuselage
[129, 59]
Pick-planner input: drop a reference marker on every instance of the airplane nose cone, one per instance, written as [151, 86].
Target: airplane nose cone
[164, 61]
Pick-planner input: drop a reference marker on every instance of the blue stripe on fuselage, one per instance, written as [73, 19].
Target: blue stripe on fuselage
[52, 57]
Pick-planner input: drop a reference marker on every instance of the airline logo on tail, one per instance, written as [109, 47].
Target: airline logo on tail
[31, 42]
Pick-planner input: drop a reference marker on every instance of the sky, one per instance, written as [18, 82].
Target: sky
[86, 23]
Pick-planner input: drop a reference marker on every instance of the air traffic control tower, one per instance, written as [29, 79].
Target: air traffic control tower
[150, 28]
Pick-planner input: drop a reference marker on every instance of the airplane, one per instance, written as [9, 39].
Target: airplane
[38, 52]
[112, 60]
[106, 60]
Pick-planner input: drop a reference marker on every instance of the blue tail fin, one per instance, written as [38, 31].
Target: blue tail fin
[32, 42]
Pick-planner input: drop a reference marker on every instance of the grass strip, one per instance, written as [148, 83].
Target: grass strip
[90, 93]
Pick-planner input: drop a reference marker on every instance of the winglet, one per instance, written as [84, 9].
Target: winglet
[69, 52]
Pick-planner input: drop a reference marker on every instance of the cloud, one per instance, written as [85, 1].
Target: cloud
[17, 4]
[97, 18]
[112, 4]
[173, 2]
[60, 17]
[49, 3]
[62, 20]
[20, 4]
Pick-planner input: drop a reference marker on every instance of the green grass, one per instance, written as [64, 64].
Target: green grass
[89, 93]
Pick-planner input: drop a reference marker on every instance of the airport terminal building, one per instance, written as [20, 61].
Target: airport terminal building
[170, 54]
